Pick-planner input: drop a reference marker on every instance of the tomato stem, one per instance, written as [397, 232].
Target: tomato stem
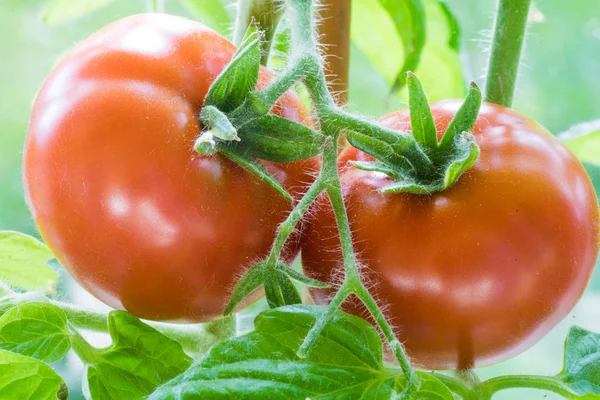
[287, 227]
[509, 32]
[487, 389]
[266, 14]
[85, 351]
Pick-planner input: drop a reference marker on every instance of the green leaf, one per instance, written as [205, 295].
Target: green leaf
[23, 262]
[139, 359]
[278, 139]
[381, 33]
[454, 30]
[212, 13]
[240, 76]
[23, 377]
[249, 163]
[421, 119]
[410, 23]
[59, 11]
[581, 370]
[346, 362]
[584, 141]
[37, 330]
[431, 388]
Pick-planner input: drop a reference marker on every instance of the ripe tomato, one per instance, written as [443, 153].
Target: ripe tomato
[135, 215]
[480, 272]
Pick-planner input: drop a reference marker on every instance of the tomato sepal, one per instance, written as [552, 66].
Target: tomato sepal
[240, 76]
[277, 282]
[274, 138]
[456, 152]
[248, 283]
[249, 163]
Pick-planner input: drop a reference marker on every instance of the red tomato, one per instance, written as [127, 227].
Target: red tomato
[136, 216]
[480, 272]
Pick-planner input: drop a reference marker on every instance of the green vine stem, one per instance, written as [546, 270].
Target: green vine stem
[487, 389]
[195, 338]
[305, 65]
[266, 14]
[509, 32]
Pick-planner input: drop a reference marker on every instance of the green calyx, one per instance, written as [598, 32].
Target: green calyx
[449, 157]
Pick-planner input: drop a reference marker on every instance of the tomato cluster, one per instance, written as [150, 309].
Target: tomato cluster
[471, 275]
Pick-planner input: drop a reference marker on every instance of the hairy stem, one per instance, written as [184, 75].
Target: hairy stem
[303, 47]
[266, 14]
[287, 227]
[509, 32]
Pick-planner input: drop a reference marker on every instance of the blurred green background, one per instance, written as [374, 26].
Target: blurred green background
[559, 85]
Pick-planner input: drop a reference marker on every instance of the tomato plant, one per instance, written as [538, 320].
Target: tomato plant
[459, 269]
[136, 216]
[176, 179]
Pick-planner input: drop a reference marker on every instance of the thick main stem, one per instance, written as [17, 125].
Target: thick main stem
[509, 32]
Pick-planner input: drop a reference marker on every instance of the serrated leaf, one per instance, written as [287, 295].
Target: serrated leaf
[249, 163]
[581, 369]
[37, 330]
[23, 262]
[278, 139]
[59, 11]
[23, 377]
[584, 141]
[139, 359]
[213, 13]
[346, 362]
[239, 77]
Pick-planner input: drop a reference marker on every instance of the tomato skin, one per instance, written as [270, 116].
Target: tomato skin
[135, 215]
[480, 272]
